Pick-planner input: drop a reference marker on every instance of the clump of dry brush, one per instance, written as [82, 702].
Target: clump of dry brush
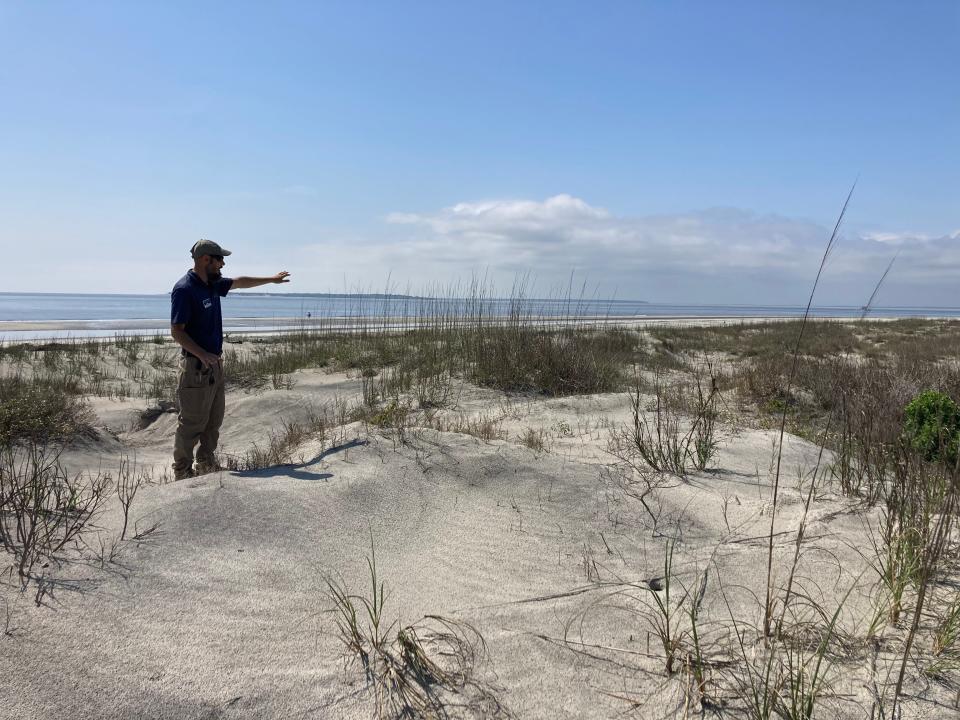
[675, 430]
[43, 507]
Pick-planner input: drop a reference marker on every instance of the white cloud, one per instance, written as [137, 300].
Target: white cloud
[721, 255]
[564, 232]
[910, 238]
[506, 216]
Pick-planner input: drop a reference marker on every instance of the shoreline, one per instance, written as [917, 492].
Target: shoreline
[14, 331]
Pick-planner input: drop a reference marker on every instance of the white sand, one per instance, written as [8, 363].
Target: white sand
[220, 613]
[18, 331]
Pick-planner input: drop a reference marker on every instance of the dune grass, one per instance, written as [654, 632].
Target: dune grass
[419, 670]
[39, 409]
[846, 385]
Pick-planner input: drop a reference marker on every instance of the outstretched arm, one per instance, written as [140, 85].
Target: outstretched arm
[250, 282]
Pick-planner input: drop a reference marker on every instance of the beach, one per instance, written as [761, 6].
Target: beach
[22, 331]
[27, 317]
[514, 528]
[469, 361]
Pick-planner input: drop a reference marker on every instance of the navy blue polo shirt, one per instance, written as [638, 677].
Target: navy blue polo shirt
[196, 305]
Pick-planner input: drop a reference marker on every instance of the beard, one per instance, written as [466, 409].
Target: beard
[213, 276]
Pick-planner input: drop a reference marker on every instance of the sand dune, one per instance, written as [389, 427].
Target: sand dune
[221, 611]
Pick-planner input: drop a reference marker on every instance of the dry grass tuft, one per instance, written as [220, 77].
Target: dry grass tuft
[421, 670]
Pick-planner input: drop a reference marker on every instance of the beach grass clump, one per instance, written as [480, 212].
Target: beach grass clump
[925, 497]
[772, 338]
[533, 439]
[665, 620]
[689, 647]
[483, 427]
[945, 646]
[123, 367]
[505, 344]
[789, 677]
[853, 399]
[280, 447]
[920, 498]
[509, 354]
[392, 415]
[40, 409]
[271, 363]
[413, 670]
[677, 431]
[553, 362]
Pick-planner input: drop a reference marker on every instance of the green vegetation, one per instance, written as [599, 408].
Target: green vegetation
[881, 397]
[933, 426]
[39, 410]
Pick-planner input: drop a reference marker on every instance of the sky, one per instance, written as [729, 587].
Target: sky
[674, 152]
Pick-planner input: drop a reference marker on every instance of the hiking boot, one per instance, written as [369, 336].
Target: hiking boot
[183, 474]
[205, 468]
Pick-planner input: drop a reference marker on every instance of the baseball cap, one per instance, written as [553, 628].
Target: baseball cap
[207, 247]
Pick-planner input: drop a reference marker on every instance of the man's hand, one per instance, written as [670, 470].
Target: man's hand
[280, 277]
[179, 334]
[208, 360]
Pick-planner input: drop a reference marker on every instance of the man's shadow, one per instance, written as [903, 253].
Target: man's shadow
[296, 470]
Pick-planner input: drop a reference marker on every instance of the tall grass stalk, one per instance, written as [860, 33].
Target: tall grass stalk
[666, 620]
[940, 517]
[804, 674]
[768, 605]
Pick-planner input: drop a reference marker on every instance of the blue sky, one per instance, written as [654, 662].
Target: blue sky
[675, 152]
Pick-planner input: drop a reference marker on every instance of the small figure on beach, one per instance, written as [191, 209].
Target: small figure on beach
[196, 324]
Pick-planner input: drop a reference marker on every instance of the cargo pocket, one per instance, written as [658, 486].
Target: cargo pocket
[193, 404]
[193, 374]
[193, 393]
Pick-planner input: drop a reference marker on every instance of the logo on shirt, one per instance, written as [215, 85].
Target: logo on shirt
[207, 303]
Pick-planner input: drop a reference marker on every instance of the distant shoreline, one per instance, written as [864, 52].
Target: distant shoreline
[341, 296]
[14, 331]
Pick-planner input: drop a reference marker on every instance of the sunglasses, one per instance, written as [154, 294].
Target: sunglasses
[218, 258]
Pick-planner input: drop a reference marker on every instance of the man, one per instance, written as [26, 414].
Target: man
[196, 324]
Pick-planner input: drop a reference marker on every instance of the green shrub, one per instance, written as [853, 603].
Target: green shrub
[933, 426]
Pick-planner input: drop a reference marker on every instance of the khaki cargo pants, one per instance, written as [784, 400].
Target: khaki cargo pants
[200, 402]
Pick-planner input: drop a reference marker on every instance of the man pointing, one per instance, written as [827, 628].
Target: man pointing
[196, 324]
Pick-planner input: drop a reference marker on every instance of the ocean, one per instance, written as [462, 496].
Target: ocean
[45, 315]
